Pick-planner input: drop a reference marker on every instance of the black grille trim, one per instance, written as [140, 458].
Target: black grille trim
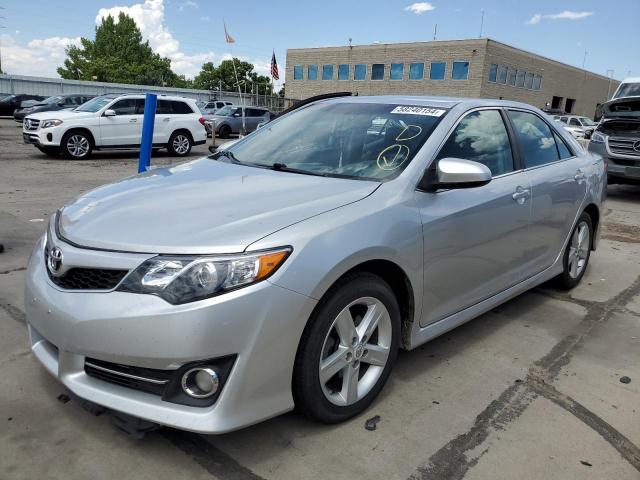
[86, 278]
[147, 380]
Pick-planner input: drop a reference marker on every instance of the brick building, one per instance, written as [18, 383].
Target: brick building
[468, 68]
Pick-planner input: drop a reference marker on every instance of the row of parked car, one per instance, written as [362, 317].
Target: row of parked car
[74, 125]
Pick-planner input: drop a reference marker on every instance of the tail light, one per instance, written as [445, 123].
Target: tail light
[202, 120]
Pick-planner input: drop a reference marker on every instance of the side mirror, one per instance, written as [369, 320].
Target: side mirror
[109, 113]
[453, 173]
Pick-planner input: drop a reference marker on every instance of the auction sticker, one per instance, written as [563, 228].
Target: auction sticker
[427, 111]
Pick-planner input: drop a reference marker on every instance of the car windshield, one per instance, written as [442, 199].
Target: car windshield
[94, 104]
[6, 99]
[226, 111]
[55, 99]
[370, 141]
[587, 122]
[628, 90]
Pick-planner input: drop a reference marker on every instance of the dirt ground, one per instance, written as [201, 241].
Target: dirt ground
[530, 390]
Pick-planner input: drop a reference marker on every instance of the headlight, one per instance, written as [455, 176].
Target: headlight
[183, 279]
[50, 123]
[597, 137]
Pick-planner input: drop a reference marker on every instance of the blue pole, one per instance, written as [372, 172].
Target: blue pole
[146, 143]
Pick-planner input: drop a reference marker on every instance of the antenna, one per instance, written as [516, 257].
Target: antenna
[435, 31]
[584, 60]
[350, 46]
[481, 22]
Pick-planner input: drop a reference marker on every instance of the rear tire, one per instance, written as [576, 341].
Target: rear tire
[347, 350]
[576, 256]
[224, 131]
[180, 144]
[76, 145]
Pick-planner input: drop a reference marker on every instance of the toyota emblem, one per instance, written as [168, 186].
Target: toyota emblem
[54, 263]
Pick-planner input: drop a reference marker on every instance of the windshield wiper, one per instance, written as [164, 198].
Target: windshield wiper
[227, 154]
[281, 167]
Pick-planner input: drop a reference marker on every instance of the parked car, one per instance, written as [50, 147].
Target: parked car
[115, 121]
[228, 120]
[289, 268]
[617, 138]
[11, 102]
[52, 104]
[579, 126]
[211, 107]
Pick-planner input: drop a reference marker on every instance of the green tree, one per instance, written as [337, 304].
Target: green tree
[212, 77]
[118, 55]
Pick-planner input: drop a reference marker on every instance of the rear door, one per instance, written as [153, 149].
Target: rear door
[475, 239]
[558, 186]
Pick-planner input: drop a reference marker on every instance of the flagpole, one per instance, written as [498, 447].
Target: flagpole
[235, 72]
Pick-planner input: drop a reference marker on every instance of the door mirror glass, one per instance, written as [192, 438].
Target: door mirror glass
[109, 113]
[453, 173]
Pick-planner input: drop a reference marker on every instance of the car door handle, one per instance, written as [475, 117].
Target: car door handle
[579, 176]
[521, 194]
[166, 120]
[133, 120]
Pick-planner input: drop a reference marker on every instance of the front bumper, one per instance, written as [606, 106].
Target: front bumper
[45, 137]
[260, 324]
[618, 169]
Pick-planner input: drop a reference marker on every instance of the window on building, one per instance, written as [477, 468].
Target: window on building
[520, 78]
[359, 71]
[537, 141]
[482, 137]
[537, 82]
[312, 72]
[502, 74]
[416, 71]
[327, 72]
[460, 70]
[528, 83]
[297, 72]
[437, 70]
[343, 72]
[377, 71]
[511, 76]
[493, 73]
[397, 71]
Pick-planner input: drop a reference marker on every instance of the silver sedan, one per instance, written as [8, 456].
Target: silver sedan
[289, 268]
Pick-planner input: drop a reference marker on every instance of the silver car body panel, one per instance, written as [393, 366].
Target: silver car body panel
[463, 252]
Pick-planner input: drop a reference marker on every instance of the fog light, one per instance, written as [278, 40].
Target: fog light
[200, 382]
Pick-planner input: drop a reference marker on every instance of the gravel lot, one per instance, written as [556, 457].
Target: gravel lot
[530, 390]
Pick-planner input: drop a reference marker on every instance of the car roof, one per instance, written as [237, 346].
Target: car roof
[429, 101]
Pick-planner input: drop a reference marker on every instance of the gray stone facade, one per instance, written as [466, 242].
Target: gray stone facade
[556, 79]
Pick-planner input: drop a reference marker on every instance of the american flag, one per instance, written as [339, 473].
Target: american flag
[274, 67]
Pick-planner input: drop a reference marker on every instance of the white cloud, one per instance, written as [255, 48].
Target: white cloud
[566, 15]
[149, 16]
[420, 7]
[188, 3]
[205, 18]
[38, 57]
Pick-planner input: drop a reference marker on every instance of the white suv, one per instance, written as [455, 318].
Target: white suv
[114, 121]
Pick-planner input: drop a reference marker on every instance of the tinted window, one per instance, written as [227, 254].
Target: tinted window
[482, 137]
[493, 73]
[181, 108]
[163, 107]
[397, 71]
[520, 78]
[297, 72]
[562, 147]
[460, 70]
[377, 71]
[327, 72]
[574, 122]
[416, 71]
[312, 72]
[502, 74]
[536, 139]
[511, 76]
[437, 70]
[343, 72]
[529, 81]
[126, 106]
[359, 71]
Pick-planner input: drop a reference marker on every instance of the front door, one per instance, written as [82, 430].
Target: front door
[125, 127]
[475, 239]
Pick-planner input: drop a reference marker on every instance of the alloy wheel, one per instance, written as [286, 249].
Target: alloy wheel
[180, 144]
[579, 249]
[78, 146]
[355, 351]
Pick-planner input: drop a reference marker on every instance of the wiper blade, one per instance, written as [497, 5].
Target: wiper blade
[283, 168]
[226, 154]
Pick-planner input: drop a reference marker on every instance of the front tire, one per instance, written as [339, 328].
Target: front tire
[577, 254]
[224, 131]
[347, 350]
[180, 144]
[76, 145]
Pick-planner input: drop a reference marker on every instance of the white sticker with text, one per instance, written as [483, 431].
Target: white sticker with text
[428, 111]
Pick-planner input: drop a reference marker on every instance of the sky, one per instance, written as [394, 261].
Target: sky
[190, 32]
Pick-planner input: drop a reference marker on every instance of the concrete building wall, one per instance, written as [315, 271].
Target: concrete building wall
[557, 79]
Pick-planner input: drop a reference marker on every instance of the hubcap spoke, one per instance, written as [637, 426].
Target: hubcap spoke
[376, 355]
[333, 364]
[579, 250]
[370, 321]
[350, 384]
[346, 327]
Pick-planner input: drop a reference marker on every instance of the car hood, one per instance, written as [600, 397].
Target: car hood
[204, 206]
[61, 114]
[626, 107]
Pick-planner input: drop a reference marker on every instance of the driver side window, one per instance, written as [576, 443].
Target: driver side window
[481, 136]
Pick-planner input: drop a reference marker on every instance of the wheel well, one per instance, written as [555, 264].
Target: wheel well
[182, 130]
[401, 286]
[594, 213]
[83, 130]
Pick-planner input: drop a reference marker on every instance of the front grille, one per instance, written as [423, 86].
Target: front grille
[31, 124]
[147, 380]
[624, 146]
[86, 278]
